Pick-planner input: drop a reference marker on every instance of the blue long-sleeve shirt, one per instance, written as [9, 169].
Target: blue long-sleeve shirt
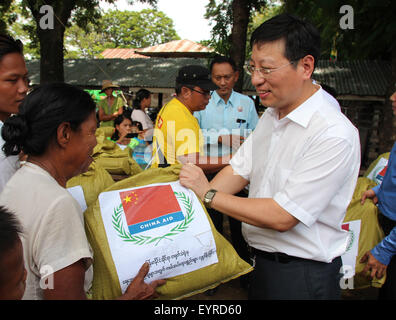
[386, 194]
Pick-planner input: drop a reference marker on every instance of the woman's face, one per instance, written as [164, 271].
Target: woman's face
[109, 92]
[82, 143]
[124, 127]
[13, 83]
[146, 102]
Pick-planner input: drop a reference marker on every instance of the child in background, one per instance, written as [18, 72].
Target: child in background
[141, 148]
[12, 268]
[123, 132]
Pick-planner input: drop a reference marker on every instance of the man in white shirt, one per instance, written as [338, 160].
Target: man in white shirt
[302, 163]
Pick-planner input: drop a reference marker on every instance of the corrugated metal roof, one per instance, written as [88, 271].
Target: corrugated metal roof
[176, 48]
[361, 78]
[121, 53]
[150, 73]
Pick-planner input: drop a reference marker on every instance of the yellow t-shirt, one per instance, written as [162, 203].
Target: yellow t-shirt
[176, 133]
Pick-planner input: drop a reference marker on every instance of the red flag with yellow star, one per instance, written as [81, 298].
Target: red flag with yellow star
[150, 207]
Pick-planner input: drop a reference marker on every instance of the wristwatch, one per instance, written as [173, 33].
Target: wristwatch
[208, 197]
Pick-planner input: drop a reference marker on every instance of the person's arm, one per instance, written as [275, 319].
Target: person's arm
[207, 164]
[105, 117]
[68, 284]
[260, 212]
[380, 256]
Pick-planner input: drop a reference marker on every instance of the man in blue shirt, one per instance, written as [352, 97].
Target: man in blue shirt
[228, 114]
[382, 257]
[226, 121]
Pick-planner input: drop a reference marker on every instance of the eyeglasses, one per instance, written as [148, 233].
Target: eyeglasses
[204, 93]
[264, 72]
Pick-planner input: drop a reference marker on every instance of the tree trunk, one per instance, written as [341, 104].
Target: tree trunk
[51, 39]
[51, 53]
[240, 12]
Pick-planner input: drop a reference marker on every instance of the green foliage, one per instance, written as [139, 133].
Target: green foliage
[374, 26]
[136, 29]
[21, 25]
[6, 17]
[120, 29]
[220, 14]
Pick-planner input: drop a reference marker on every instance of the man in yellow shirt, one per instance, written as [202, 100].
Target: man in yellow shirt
[177, 135]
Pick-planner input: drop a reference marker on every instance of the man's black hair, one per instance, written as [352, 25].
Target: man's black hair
[301, 37]
[223, 59]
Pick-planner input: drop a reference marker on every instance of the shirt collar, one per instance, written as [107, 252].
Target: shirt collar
[303, 113]
[216, 98]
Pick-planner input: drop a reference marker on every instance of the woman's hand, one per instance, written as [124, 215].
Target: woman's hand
[138, 289]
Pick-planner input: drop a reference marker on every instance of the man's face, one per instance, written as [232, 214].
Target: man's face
[225, 78]
[281, 88]
[13, 83]
[199, 99]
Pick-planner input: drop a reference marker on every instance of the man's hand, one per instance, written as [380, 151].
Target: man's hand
[138, 289]
[376, 268]
[194, 178]
[369, 194]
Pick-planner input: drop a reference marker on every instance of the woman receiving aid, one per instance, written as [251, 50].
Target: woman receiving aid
[56, 128]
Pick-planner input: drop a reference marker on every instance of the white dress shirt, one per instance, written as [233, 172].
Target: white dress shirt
[308, 162]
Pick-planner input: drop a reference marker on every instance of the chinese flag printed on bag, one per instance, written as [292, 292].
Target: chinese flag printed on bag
[150, 207]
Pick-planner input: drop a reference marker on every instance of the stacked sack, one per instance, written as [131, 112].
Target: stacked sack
[109, 156]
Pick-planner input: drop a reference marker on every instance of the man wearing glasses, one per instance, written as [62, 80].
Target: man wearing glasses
[230, 116]
[302, 162]
[177, 135]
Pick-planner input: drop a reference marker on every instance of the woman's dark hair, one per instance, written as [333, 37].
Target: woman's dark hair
[9, 45]
[118, 121]
[301, 37]
[140, 95]
[41, 113]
